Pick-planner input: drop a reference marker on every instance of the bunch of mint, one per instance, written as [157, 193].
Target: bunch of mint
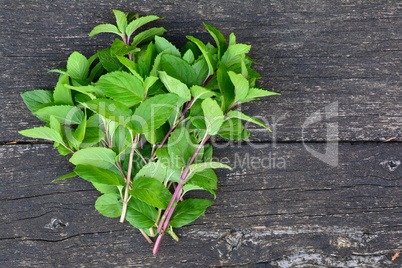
[137, 116]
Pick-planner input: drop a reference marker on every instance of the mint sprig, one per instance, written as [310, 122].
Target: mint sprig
[121, 115]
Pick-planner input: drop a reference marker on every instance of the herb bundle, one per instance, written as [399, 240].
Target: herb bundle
[137, 116]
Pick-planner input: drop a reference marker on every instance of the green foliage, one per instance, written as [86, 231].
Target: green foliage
[188, 211]
[98, 175]
[96, 156]
[66, 114]
[151, 191]
[77, 66]
[109, 205]
[137, 115]
[42, 133]
[35, 99]
[153, 112]
[122, 87]
[213, 116]
[178, 68]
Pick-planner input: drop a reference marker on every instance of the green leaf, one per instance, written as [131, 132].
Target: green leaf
[241, 86]
[132, 16]
[77, 66]
[55, 124]
[92, 59]
[130, 66]
[96, 156]
[233, 54]
[110, 109]
[150, 55]
[42, 133]
[66, 114]
[152, 170]
[156, 67]
[208, 152]
[37, 97]
[201, 93]
[152, 192]
[149, 82]
[201, 69]
[244, 71]
[188, 211]
[121, 20]
[93, 135]
[190, 187]
[197, 115]
[180, 147]
[147, 35]
[194, 49]
[157, 135]
[79, 132]
[233, 129]
[213, 115]
[106, 189]
[98, 175]
[63, 150]
[105, 28]
[204, 51]
[109, 61]
[60, 71]
[109, 205]
[225, 86]
[219, 39]
[91, 91]
[120, 48]
[121, 139]
[232, 39]
[153, 112]
[179, 69]
[175, 86]
[67, 176]
[62, 94]
[122, 87]
[254, 93]
[239, 115]
[189, 57]
[162, 44]
[173, 174]
[140, 214]
[206, 179]
[143, 68]
[194, 168]
[135, 24]
[96, 72]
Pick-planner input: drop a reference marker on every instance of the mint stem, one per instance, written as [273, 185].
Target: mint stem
[128, 180]
[190, 103]
[164, 223]
[157, 243]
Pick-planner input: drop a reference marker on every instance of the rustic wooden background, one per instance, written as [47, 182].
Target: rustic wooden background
[298, 212]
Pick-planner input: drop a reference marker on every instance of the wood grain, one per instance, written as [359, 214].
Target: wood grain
[296, 212]
[314, 54]
[299, 212]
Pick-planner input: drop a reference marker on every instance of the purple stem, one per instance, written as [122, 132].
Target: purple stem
[206, 81]
[190, 103]
[164, 223]
[157, 244]
[126, 41]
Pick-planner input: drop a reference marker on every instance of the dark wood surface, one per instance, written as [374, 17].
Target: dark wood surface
[298, 212]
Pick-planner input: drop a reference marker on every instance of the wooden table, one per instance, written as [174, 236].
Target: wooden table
[337, 65]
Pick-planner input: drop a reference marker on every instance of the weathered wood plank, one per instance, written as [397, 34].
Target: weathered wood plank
[314, 54]
[295, 211]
